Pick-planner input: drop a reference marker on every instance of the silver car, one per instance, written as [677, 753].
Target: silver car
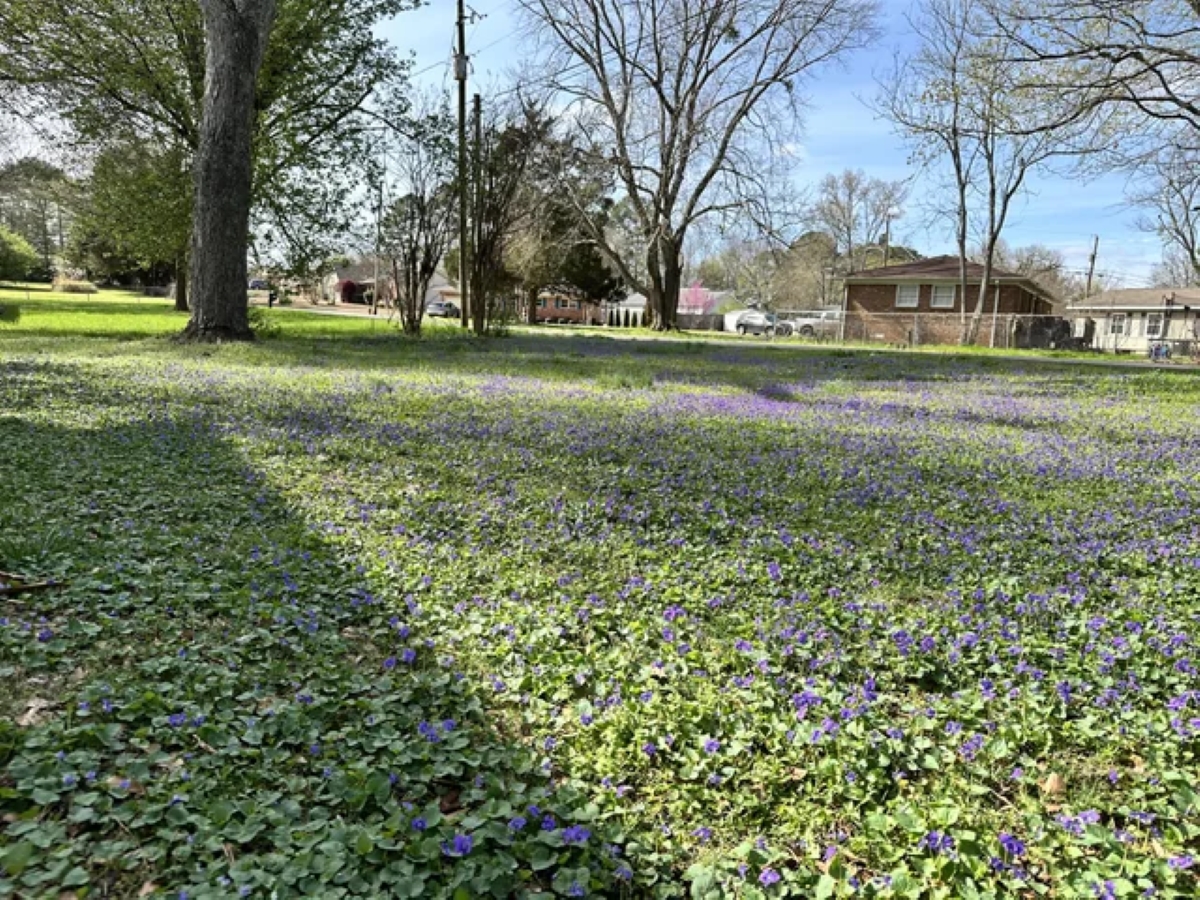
[756, 322]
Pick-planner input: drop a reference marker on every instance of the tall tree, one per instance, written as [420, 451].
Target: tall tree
[235, 33]
[135, 69]
[857, 211]
[956, 101]
[511, 141]
[420, 225]
[135, 212]
[686, 97]
[1139, 56]
[36, 201]
[1168, 190]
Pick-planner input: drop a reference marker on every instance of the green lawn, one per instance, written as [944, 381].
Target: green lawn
[341, 614]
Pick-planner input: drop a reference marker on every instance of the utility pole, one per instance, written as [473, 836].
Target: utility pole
[477, 182]
[378, 228]
[1087, 291]
[464, 254]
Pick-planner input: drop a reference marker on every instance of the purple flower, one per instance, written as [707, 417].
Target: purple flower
[703, 834]
[575, 834]
[768, 877]
[408, 655]
[461, 845]
[177, 720]
[548, 823]
[649, 749]
[1012, 845]
[937, 842]
[419, 824]
[517, 823]
[712, 745]
[576, 890]
[1181, 862]
[389, 663]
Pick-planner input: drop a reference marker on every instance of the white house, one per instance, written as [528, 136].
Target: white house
[1130, 321]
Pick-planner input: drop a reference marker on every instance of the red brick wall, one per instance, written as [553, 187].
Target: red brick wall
[873, 316]
[881, 298]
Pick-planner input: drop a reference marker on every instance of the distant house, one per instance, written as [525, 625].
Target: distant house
[564, 308]
[443, 289]
[924, 298]
[1129, 321]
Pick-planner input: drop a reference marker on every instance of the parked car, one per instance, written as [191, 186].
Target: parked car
[259, 284]
[442, 309]
[817, 323]
[755, 322]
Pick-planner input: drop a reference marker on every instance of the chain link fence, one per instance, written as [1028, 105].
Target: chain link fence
[1004, 331]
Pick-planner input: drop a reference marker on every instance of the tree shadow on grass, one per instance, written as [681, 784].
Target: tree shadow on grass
[214, 702]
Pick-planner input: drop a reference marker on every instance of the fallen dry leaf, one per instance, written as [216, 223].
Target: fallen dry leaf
[147, 889]
[1054, 784]
[34, 709]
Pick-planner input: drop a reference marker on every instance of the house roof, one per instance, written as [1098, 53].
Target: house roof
[944, 268]
[1139, 299]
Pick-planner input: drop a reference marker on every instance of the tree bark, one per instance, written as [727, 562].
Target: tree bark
[666, 279]
[236, 33]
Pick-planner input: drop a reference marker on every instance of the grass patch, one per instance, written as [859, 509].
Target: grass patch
[341, 614]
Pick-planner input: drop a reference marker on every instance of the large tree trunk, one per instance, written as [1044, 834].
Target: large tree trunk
[666, 280]
[236, 33]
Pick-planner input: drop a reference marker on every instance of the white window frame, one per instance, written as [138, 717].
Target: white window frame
[905, 299]
[1116, 324]
[1154, 325]
[935, 303]
[541, 302]
[560, 303]
[574, 304]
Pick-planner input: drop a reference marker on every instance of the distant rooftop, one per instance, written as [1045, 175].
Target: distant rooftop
[934, 268]
[1139, 299]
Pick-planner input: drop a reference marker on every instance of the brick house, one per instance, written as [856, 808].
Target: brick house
[921, 302]
[554, 307]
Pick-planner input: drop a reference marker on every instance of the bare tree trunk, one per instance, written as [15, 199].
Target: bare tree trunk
[181, 285]
[236, 33]
[666, 280]
[531, 298]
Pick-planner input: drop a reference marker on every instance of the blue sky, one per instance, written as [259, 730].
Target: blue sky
[840, 132]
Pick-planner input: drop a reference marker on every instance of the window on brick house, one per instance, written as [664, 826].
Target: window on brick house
[541, 303]
[560, 303]
[943, 296]
[908, 296]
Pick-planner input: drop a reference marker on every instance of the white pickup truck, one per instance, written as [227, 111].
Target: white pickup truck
[823, 323]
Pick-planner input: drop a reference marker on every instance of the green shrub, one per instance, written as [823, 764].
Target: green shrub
[263, 324]
[66, 286]
[17, 257]
[10, 314]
